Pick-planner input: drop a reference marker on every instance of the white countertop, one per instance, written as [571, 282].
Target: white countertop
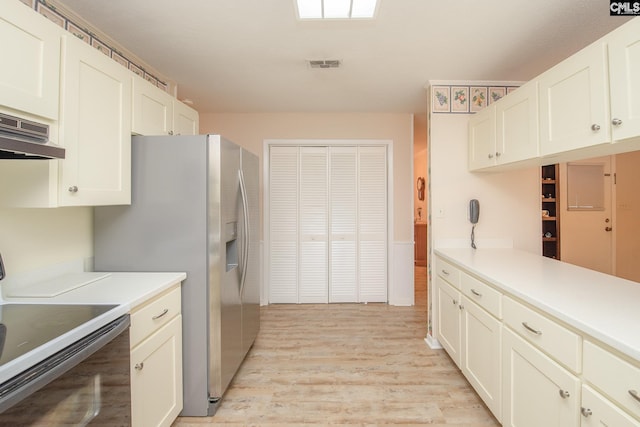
[126, 290]
[604, 307]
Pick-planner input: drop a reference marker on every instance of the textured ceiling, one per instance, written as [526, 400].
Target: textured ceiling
[250, 55]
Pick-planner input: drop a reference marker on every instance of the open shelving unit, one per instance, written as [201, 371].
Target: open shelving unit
[550, 211]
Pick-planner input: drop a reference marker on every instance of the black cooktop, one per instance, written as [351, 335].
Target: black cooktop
[24, 327]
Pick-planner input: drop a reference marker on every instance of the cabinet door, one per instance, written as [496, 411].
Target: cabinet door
[517, 125]
[482, 139]
[95, 128]
[536, 390]
[448, 327]
[314, 256]
[598, 411]
[481, 354]
[30, 71]
[152, 109]
[574, 102]
[156, 377]
[185, 119]
[624, 76]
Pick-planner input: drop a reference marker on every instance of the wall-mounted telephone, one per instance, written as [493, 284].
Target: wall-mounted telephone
[474, 215]
[474, 211]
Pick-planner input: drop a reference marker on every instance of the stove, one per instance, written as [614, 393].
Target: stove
[24, 327]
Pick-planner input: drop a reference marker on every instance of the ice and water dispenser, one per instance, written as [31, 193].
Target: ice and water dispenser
[231, 239]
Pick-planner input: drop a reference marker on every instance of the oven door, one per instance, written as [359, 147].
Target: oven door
[87, 383]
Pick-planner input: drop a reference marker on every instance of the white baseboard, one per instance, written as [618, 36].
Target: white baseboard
[433, 343]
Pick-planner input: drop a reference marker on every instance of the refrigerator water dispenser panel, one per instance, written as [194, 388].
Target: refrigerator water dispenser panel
[231, 239]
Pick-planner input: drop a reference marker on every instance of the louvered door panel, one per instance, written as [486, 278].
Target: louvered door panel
[283, 214]
[313, 225]
[372, 224]
[343, 202]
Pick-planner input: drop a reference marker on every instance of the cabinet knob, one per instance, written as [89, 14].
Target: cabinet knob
[490, 156]
[455, 302]
[634, 394]
[586, 412]
[616, 122]
[170, 132]
[608, 229]
[564, 394]
[73, 189]
[498, 154]
[139, 366]
[595, 127]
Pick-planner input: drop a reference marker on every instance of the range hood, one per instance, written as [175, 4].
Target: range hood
[24, 139]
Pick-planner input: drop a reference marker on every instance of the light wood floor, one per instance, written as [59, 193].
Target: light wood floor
[347, 364]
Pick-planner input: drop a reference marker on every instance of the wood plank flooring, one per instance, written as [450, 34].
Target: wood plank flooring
[347, 364]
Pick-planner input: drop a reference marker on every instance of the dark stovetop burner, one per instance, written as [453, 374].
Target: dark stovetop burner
[24, 327]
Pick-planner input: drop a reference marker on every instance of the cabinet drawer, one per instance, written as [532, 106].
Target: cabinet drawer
[598, 411]
[557, 341]
[613, 376]
[150, 316]
[448, 272]
[482, 294]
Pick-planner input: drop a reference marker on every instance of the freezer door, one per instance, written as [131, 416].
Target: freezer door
[225, 307]
[250, 221]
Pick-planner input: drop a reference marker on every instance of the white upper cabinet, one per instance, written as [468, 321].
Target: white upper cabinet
[152, 109]
[95, 128]
[624, 80]
[30, 71]
[185, 119]
[574, 102]
[155, 112]
[482, 139]
[517, 125]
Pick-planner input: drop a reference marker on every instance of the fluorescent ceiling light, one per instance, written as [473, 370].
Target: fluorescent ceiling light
[336, 9]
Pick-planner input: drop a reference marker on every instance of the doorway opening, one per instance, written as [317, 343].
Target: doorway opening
[420, 213]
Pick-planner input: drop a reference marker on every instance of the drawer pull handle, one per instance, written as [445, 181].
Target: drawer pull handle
[445, 272]
[476, 293]
[164, 312]
[564, 394]
[586, 412]
[139, 366]
[530, 329]
[635, 394]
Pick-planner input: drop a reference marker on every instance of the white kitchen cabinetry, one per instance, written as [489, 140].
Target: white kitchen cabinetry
[152, 109]
[467, 329]
[185, 119]
[95, 128]
[30, 71]
[156, 361]
[597, 411]
[624, 83]
[574, 102]
[616, 378]
[482, 139]
[536, 390]
[155, 112]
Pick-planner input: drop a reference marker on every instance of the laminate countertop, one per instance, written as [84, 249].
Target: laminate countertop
[602, 306]
[124, 290]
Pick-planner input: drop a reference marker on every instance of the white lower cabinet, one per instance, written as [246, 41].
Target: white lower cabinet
[449, 319]
[481, 360]
[598, 411]
[156, 361]
[536, 390]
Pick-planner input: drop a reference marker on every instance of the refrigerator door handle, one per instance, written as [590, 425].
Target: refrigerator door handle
[245, 245]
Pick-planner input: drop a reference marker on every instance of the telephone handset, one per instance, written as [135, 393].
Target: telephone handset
[474, 211]
[474, 215]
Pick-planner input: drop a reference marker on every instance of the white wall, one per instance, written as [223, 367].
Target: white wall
[36, 238]
[509, 201]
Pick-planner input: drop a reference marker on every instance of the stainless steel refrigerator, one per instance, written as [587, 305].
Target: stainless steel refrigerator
[194, 209]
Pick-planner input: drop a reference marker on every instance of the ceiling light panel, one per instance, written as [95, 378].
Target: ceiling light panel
[336, 9]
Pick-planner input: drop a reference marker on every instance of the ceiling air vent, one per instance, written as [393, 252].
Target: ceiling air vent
[324, 63]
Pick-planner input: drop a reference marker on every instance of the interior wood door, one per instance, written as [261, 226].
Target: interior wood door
[587, 230]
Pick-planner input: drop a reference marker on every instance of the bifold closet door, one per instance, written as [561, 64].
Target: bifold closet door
[372, 224]
[283, 224]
